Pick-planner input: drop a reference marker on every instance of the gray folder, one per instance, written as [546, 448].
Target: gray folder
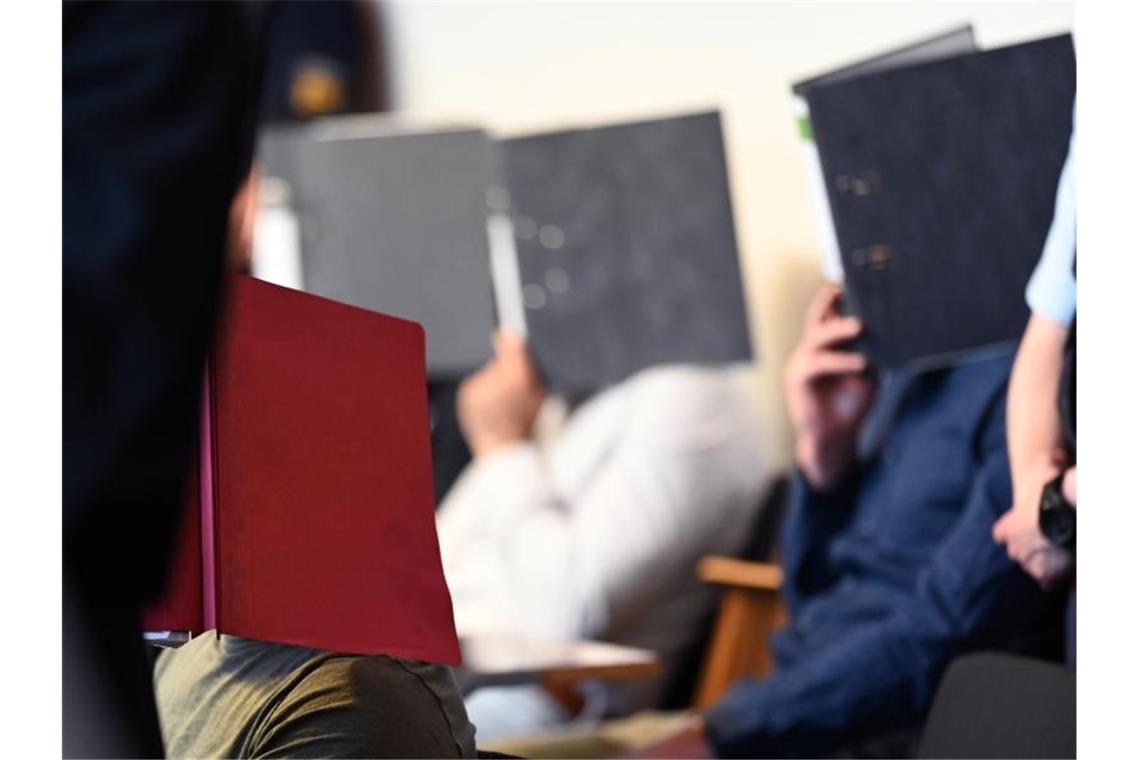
[395, 222]
[956, 41]
[626, 249]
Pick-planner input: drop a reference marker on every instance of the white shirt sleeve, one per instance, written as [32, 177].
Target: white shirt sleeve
[519, 555]
[1052, 290]
[492, 494]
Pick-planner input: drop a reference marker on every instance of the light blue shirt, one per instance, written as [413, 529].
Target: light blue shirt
[1052, 290]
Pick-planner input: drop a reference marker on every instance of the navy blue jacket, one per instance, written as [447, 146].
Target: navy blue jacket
[889, 575]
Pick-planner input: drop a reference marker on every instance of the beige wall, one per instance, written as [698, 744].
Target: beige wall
[515, 67]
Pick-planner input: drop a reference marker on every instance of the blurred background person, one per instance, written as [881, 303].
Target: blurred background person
[158, 107]
[888, 573]
[589, 526]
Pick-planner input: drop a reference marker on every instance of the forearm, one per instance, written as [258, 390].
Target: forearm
[493, 499]
[824, 465]
[813, 519]
[1034, 429]
[517, 555]
[494, 491]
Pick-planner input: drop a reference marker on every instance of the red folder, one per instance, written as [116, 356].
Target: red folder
[310, 516]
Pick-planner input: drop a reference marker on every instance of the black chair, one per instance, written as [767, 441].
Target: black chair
[998, 705]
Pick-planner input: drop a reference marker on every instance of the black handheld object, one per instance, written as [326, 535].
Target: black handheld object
[1056, 518]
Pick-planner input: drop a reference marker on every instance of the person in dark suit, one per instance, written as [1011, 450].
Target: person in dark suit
[889, 570]
[158, 107]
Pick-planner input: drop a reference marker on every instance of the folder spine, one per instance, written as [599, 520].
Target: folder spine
[208, 499]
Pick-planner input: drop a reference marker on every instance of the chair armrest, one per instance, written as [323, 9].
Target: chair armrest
[750, 611]
[727, 571]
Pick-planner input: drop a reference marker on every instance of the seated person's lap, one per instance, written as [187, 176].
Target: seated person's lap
[226, 696]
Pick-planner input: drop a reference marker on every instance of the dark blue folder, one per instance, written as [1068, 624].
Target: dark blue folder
[941, 179]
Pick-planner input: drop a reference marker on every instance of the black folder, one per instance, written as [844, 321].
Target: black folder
[941, 180]
[394, 220]
[956, 41]
[626, 249]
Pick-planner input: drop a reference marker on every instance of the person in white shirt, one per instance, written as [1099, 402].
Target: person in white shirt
[590, 527]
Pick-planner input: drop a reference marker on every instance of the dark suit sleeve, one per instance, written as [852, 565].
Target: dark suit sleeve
[883, 674]
[157, 132]
[814, 518]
